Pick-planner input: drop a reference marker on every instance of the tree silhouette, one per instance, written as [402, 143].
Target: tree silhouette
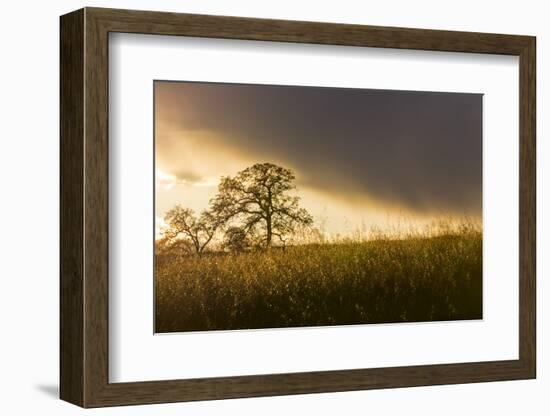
[258, 200]
[182, 222]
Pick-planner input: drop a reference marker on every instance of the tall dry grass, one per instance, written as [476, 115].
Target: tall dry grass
[430, 274]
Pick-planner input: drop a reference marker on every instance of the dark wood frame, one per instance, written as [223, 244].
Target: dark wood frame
[84, 207]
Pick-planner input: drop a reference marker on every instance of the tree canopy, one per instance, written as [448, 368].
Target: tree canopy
[182, 222]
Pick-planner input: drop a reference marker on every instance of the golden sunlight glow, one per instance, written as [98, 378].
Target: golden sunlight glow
[159, 225]
[165, 180]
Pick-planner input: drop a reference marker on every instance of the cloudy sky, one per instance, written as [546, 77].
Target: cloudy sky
[361, 157]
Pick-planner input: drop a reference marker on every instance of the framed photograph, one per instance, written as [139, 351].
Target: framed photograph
[260, 207]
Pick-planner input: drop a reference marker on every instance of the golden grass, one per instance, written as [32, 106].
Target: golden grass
[421, 276]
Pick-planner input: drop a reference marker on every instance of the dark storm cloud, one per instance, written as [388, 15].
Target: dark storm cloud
[420, 150]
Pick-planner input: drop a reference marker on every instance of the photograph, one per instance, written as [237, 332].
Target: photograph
[283, 206]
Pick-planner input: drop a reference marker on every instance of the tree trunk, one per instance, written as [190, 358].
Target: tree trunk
[269, 233]
[268, 219]
[197, 246]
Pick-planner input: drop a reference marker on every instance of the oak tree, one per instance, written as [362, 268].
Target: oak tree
[259, 201]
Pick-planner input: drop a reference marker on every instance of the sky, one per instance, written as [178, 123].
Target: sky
[362, 157]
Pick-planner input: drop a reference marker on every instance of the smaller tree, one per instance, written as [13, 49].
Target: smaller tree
[183, 223]
[236, 239]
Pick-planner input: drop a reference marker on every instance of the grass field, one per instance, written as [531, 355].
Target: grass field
[418, 278]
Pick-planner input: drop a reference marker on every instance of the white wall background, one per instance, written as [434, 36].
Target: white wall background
[29, 157]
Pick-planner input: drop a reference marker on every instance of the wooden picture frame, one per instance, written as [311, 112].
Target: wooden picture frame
[84, 207]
